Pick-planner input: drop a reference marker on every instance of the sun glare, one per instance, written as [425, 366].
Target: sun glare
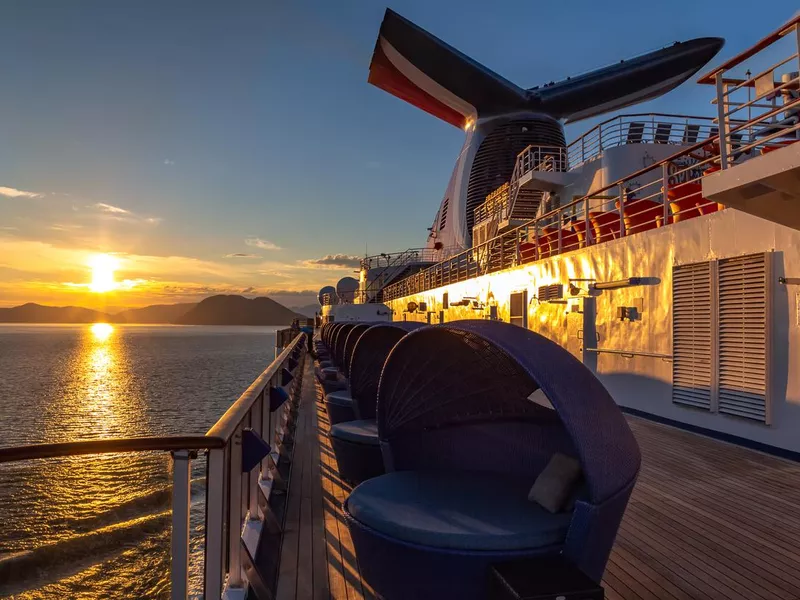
[103, 267]
[101, 331]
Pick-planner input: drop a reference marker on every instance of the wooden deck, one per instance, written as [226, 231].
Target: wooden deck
[707, 520]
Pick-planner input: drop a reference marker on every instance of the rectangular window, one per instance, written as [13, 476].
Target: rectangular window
[518, 309]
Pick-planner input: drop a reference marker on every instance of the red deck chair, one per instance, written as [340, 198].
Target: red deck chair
[527, 252]
[606, 225]
[579, 227]
[548, 242]
[684, 200]
[642, 215]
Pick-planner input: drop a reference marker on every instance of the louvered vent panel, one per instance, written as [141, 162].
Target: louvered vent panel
[743, 338]
[443, 222]
[692, 335]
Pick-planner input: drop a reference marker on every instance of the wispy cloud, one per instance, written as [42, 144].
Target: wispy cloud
[241, 255]
[169, 162]
[336, 260]
[123, 214]
[10, 192]
[111, 209]
[262, 244]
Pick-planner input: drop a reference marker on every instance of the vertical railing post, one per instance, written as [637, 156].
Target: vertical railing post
[235, 511]
[214, 526]
[587, 238]
[723, 122]
[797, 44]
[559, 218]
[255, 425]
[621, 203]
[181, 494]
[665, 191]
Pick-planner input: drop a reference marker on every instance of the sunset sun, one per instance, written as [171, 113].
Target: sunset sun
[103, 267]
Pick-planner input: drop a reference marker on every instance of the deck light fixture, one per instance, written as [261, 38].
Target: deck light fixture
[623, 283]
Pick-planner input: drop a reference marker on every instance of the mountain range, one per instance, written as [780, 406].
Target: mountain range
[214, 310]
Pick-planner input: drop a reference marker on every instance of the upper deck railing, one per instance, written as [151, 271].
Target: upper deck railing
[412, 255]
[232, 495]
[639, 128]
[380, 269]
[761, 111]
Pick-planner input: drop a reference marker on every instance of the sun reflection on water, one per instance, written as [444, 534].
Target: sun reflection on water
[101, 331]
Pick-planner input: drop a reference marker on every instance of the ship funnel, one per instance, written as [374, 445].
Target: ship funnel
[421, 69]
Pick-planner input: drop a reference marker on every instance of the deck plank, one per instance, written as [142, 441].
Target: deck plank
[707, 520]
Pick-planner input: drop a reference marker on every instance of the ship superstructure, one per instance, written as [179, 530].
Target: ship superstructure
[658, 248]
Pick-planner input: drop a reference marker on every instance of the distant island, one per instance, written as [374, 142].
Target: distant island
[214, 310]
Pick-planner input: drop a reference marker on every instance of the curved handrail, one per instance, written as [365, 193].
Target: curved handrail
[216, 437]
[110, 445]
[226, 425]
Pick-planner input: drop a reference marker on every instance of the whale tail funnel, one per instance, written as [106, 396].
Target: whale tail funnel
[416, 66]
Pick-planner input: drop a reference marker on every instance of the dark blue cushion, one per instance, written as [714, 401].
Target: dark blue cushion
[324, 364]
[358, 432]
[340, 398]
[459, 510]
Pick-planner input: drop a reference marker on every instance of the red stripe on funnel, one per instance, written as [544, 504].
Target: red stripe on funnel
[383, 74]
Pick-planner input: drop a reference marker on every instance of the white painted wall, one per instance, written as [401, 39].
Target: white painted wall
[645, 383]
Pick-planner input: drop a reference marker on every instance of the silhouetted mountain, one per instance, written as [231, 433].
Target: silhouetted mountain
[36, 313]
[238, 310]
[157, 313]
[309, 310]
[215, 310]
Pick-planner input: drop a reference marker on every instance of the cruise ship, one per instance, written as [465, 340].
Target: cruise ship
[580, 387]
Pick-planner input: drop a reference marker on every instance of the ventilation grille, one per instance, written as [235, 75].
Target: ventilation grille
[692, 318]
[495, 158]
[545, 293]
[443, 222]
[743, 339]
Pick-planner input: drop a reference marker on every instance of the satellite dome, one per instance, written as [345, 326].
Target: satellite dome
[346, 289]
[330, 291]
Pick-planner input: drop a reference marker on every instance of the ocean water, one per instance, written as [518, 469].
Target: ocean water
[98, 526]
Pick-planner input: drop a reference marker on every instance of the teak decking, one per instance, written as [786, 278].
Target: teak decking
[707, 520]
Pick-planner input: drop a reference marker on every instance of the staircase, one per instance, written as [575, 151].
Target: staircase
[523, 204]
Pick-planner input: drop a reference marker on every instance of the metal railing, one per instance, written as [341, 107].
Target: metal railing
[639, 128]
[391, 266]
[666, 192]
[231, 495]
[759, 113]
[406, 256]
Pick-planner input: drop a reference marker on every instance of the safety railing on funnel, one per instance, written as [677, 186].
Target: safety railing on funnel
[236, 499]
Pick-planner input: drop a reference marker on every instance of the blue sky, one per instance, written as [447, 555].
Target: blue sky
[176, 134]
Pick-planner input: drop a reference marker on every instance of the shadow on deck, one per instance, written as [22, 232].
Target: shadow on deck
[707, 520]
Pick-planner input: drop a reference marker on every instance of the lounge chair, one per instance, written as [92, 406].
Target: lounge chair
[464, 438]
[339, 403]
[355, 442]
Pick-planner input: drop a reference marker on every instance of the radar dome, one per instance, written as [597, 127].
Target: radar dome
[329, 291]
[346, 289]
